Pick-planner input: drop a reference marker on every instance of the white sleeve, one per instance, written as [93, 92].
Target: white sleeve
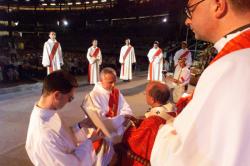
[45, 61]
[166, 143]
[60, 54]
[133, 55]
[149, 57]
[90, 59]
[79, 133]
[189, 59]
[123, 106]
[121, 56]
[176, 57]
[100, 58]
[55, 152]
[185, 77]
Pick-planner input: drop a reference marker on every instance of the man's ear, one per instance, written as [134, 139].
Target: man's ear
[220, 8]
[57, 95]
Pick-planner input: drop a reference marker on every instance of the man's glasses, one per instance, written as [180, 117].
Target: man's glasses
[190, 9]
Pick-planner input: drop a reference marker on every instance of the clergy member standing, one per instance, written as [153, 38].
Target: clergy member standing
[183, 53]
[94, 57]
[127, 58]
[52, 54]
[155, 58]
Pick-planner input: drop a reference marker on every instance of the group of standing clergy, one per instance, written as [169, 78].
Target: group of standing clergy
[53, 60]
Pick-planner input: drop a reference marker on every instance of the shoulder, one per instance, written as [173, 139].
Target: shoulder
[153, 121]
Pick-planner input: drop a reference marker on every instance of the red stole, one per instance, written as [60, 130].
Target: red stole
[95, 53]
[124, 57]
[113, 103]
[239, 42]
[52, 55]
[184, 54]
[157, 53]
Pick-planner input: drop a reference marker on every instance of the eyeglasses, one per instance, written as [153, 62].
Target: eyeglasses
[190, 9]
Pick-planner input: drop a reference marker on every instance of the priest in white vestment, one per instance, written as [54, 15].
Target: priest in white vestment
[109, 103]
[49, 141]
[94, 57]
[127, 58]
[52, 54]
[213, 129]
[155, 57]
[183, 53]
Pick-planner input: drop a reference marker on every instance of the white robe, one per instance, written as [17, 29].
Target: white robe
[49, 143]
[213, 129]
[188, 57]
[126, 73]
[182, 75]
[57, 62]
[100, 98]
[157, 65]
[94, 65]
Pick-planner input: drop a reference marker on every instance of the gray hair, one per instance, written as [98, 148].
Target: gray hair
[107, 70]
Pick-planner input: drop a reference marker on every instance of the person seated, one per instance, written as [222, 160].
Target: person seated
[138, 140]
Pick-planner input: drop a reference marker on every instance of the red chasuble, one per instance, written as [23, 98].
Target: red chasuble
[140, 140]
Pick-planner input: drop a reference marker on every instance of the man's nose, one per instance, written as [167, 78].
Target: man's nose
[188, 22]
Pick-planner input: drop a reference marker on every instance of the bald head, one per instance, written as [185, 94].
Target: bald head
[158, 91]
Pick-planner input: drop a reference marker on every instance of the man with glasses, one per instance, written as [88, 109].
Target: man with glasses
[49, 141]
[213, 129]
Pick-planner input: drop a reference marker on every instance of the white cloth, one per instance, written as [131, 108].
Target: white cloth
[182, 75]
[94, 65]
[100, 98]
[157, 64]
[126, 73]
[57, 62]
[181, 52]
[48, 142]
[213, 129]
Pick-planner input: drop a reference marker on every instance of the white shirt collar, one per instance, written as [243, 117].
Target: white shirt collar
[223, 41]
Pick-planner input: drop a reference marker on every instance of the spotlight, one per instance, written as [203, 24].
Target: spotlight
[164, 19]
[65, 23]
